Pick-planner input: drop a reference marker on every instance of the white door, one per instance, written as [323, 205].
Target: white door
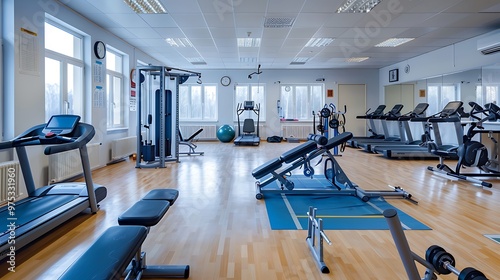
[354, 97]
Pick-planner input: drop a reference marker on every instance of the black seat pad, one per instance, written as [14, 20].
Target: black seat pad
[337, 140]
[144, 213]
[110, 254]
[170, 195]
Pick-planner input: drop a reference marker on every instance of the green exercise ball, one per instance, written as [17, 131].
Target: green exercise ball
[225, 133]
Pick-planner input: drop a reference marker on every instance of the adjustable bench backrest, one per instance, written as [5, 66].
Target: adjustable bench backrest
[337, 140]
[299, 151]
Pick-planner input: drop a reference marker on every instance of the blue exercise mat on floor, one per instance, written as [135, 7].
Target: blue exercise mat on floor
[289, 212]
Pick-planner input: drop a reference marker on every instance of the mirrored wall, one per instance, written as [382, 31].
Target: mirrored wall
[478, 85]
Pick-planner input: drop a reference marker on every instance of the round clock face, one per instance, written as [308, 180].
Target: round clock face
[225, 81]
[287, 88]
[100, 49]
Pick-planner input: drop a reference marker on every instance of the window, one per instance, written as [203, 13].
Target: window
[439, 95]
[298, 101]
[63, 70]
[198, 102]
[251, 92]
[486, 94]
[115, 92]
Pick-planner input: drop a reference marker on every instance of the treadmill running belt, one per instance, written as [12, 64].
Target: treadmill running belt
[32, 209]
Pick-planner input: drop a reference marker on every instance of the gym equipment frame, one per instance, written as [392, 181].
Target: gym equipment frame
[302, 156]
[164, 74]
[49, 206]
[437, 260]
[315, 238]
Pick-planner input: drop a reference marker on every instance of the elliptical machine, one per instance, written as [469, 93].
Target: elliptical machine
[472, 153]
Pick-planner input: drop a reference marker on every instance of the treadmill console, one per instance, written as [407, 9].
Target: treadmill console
[451, 108]
[248, 105]
[61, 124]
[420, 109]
[379, 111]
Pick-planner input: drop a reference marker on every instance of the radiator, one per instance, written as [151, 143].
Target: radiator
[10, 174]
[296, 131]
[66, 165]
[123, 147]
[208, 133]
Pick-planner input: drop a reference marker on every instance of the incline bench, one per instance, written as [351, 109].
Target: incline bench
[117, 252]
[301, 156]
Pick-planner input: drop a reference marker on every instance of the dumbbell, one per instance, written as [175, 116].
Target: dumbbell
[444, 263]
[319, 139]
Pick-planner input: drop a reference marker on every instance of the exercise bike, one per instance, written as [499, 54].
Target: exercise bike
[472, 153]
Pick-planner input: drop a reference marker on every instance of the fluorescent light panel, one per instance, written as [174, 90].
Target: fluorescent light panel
[248, 59]
[248, 42]
[196, 60]
[146, 6]
[394, 42]
[358, 6]
[179, 42]
[356, 59]
[319, 42]
[278, 22]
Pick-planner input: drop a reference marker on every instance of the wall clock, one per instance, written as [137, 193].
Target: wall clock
[100, 49]
[225, 81]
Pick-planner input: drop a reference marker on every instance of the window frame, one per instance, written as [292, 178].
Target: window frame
[310, 96]
[110, 91]
[64, 61]
[249, 97]
[440, 99]
[202, 104]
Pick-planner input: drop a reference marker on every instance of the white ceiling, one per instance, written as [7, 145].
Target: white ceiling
[213, 26]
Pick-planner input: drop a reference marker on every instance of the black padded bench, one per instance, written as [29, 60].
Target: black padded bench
[299, 151]
[117, 252]
[338, 140]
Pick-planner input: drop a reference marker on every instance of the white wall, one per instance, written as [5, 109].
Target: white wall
[270, 79]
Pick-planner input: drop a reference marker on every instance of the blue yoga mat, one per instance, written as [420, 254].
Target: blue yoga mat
[289, 212]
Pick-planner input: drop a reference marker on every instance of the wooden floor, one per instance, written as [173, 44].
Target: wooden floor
[220, 229]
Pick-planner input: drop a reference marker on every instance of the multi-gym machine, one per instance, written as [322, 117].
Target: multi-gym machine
[330, 118]
[159, 111]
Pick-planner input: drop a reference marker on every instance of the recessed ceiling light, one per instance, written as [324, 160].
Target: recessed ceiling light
[299, 60]
[179, 42]
[146, 6]
[358, 6]
[196, 60]
[319, 42]
[356, 59]
[248, 42]
[394, 42]
[248, 59]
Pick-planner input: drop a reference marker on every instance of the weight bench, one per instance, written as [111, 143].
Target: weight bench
[189, 143]
[301, 156]
[117, 252]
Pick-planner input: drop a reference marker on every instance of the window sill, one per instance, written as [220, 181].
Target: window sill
[117, 129]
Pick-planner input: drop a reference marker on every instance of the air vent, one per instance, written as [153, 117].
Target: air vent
[490, 43]
[278, 22]
[297, 63]
[199, 63]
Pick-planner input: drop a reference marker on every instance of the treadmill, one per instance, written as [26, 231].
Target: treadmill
[370, 117]
[250, 135]
[404, 123]
[450, 113]
[392, 115]
[25, 220]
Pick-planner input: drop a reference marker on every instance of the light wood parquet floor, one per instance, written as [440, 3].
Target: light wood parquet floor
[220, 229]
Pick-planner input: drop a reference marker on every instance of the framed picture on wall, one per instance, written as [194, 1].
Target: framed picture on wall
[393, 75]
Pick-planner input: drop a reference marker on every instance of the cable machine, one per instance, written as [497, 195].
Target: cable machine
[161, 143]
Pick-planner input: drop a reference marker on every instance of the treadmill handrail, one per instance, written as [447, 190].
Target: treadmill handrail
[87, 135]
[34, 136]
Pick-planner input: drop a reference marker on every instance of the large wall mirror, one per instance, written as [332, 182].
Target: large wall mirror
[479, 85]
